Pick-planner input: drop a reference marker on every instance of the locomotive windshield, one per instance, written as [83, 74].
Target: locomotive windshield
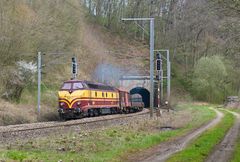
[73, 86]
[67, 86]
[77, 85]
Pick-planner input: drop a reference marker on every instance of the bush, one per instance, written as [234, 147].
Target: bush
[210, 79]
[16, 79]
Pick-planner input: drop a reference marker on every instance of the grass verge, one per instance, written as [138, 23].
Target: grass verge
[110, 144]
[200, 148]
[237, 110]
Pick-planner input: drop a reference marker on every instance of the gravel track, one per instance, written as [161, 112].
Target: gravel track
[12, 133]
[163, 151]
[223, 152]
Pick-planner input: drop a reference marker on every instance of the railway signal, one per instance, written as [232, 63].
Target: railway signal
[74, 68]
[158, 62]
[160, 77]
[160, 82]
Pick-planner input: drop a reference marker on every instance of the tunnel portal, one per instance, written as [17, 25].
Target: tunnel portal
[144, 93]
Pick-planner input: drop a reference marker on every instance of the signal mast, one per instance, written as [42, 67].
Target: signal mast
[74, 68]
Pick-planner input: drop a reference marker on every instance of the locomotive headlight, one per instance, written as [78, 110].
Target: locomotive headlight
[61, 104]
[78, 103]
[166, 102]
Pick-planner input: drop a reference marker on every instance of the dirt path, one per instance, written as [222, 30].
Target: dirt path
[164, 150]
[224, 150]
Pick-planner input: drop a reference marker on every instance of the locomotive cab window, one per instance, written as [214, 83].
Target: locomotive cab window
[66, 86]
[95, 94]
[77, 85]
[102, 94]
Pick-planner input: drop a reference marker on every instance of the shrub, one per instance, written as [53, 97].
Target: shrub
[16, 79]
[210, 79]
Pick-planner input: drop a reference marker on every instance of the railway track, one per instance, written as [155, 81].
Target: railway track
[13, 133]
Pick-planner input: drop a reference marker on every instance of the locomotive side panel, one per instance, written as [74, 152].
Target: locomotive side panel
[103, 99]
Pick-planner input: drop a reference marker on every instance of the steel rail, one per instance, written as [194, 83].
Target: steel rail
[67, 124]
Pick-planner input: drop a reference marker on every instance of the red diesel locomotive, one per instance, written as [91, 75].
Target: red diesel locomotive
[78, 99]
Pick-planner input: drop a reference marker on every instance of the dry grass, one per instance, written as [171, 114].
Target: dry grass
[19, 113]
[106, 47]
[15, 114]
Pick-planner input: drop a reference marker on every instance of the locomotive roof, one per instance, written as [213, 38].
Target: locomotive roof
[91, 84]
[83, 81]
[72, 81]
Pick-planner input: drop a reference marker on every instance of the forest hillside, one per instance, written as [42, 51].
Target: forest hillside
[203, 37]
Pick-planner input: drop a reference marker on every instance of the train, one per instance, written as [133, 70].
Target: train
[79, 99]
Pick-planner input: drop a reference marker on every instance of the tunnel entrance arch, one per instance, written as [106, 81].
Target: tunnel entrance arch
[144, 93]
